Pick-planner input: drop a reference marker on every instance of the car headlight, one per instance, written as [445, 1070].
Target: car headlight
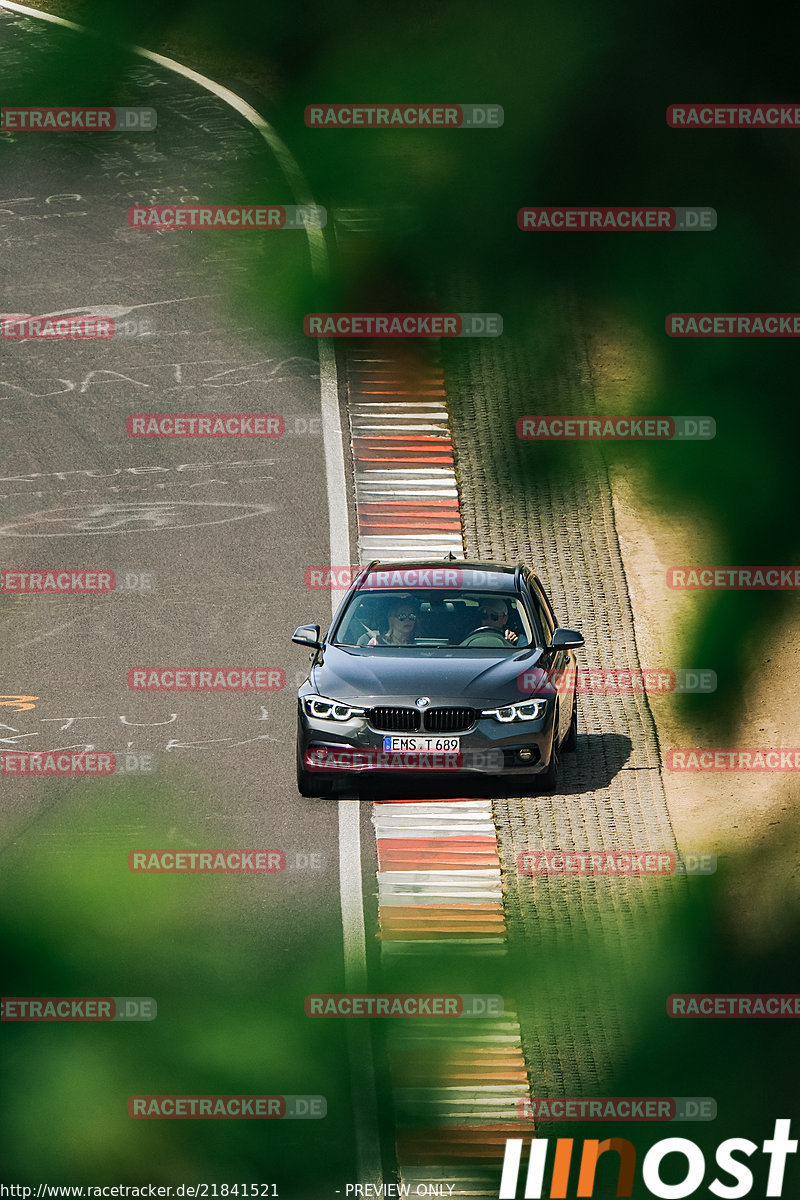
[530, 710]
[331, 710]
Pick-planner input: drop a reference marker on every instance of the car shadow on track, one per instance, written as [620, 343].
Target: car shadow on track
[598, 760]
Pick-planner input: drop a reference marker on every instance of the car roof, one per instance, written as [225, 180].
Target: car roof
[505, 574]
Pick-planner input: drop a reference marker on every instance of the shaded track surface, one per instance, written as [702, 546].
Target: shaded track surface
[580, 948]
[518, 505]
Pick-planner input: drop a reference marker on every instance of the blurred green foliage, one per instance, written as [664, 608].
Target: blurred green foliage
[229, 982]
[230, 987]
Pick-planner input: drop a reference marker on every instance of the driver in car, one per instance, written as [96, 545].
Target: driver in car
[492, 618]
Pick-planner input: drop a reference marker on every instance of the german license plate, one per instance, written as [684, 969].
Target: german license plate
[452, 744]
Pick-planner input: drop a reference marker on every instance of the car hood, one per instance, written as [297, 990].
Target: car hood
[477, 678]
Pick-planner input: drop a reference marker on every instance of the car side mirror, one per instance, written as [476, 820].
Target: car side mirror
[566, 639]
[307, 635]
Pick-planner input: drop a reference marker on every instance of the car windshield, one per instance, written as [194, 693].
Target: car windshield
[429, 618]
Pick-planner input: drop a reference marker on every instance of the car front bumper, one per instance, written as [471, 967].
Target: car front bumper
[331, 749]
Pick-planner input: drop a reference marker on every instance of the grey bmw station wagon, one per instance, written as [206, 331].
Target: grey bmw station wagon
[436, 668]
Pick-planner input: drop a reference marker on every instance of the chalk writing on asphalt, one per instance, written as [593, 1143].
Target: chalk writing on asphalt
[118, 516]
[145, 476]
[18, 703]
[163, 378]
[113, 724]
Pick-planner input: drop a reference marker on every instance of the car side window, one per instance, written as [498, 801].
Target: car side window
[548, 608]
[538, 627]
[542, 619]
[545, 619]
[362, 620]
[518, 623]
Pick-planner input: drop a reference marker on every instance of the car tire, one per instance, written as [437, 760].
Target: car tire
[309, 784]
[304, 785]
[548, 780]
[571, 740]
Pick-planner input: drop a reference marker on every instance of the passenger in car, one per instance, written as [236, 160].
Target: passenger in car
[400, 626]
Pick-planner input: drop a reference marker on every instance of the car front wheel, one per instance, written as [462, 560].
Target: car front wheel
[548, 780]
[571, 740]
[308, 782]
